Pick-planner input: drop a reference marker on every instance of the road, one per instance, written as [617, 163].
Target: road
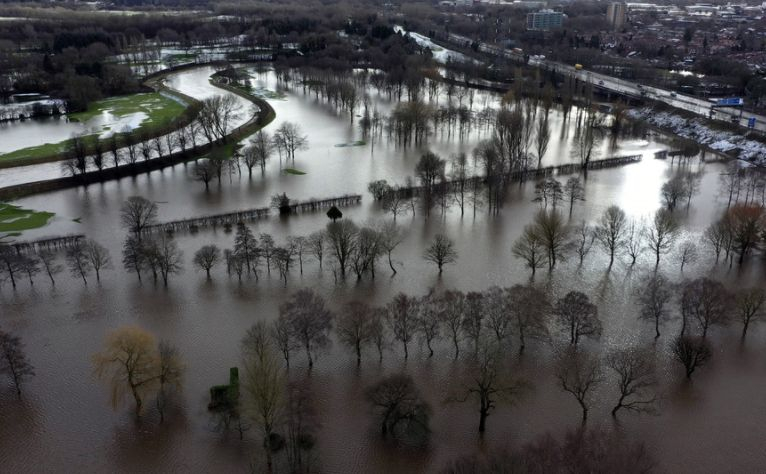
[701, 107]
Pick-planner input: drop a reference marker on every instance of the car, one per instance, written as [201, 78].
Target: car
[673, 95]
[640, 86]
[601, 83]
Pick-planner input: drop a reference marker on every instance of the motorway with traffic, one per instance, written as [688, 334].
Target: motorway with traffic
[702, 107]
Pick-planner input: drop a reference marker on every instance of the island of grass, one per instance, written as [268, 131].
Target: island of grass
[160, 113]
[294, 171]
[14, 219]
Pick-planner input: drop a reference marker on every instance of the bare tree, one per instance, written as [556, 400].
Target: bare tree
[497, 310]
[692, 352]
[634, 240]
[542, 138]
[687, 253]
[204, 171]
[487, 383]
[427, 322]
[50, 264]
[134, 255]
[673, 191]
[548, 191]
[400, 410]
[578, 317]
[354, 327]
[166, 255]
[579, 373]
[708, 302]
[170, 372]
[459, 176]
[441, 251]
[610, 231]
[30, 265]
[653, 296]
[401, 317]
[529, 247]
[207, 257]
[263, 386]
[284, 338]
[390, 236]
[718, 236]
[573, 191]
[98, 257]
[749, 306]
[316, 244]
[217, 115]
[473, 320]
[129, 364]
[13, 360]
[550, 228]
[341, 237]
[529, 311]
[289, 138]
[309, 321]
[77, 259]
[259, 151]
[451, 314]
[661, 234]
[137, 213]
[10, 263]
[583, 237]
[635, 370]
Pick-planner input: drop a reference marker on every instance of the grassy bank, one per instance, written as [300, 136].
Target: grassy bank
[161, 112]
[14, 219]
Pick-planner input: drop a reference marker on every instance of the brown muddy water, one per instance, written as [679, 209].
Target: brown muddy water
[65, 423]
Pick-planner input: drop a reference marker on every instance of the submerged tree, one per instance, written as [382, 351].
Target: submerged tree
[487, 383]
[578, 373]
[128, 363]
[749, 307]
[578, 317]
[402, 414]
[309, 321]
[137, 213]
[263, 386]
[692, 352]
[636, 380]
[653, 296]
[441, 252]
[207, 257]
[354, 327]
[13, 360]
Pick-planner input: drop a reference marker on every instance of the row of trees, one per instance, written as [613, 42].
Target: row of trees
[83, 257]
[550, 238]
[286, 141]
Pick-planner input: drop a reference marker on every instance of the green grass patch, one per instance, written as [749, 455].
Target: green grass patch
[15, 219]
[294, 171]
[160, 111]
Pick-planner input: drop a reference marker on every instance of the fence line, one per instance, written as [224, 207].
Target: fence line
[249, 215]
[411, 191]
[48, 243]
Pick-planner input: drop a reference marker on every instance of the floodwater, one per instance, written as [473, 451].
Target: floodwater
[65, 422]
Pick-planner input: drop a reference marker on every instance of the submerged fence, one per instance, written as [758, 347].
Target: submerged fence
[516, 176]
[249, 215]
[49, 243]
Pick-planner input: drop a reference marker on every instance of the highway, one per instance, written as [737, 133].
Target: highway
[701, 107]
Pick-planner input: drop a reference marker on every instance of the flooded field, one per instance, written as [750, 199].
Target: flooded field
[65, 421]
